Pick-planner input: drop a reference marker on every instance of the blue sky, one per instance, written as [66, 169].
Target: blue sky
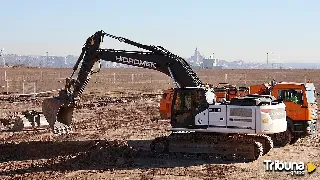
[232, 29]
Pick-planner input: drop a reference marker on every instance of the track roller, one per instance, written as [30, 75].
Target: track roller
[222, 146]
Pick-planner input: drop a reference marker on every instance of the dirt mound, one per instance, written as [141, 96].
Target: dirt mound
[64, 156]
[107, 154]
[219, 172]
[103, 101]
[308, 141]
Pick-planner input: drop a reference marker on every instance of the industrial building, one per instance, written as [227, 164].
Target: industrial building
[211, 63]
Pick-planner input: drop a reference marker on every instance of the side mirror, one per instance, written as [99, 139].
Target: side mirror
[318, 94]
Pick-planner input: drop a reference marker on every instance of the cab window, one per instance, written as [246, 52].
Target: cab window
[190, 100]
[311, 96]
[291, 95]
[183, 101]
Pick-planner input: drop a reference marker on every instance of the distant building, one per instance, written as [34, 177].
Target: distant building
[196, 60]
[211, 63]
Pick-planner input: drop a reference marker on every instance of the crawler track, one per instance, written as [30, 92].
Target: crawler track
[265, 140]
[205, 145]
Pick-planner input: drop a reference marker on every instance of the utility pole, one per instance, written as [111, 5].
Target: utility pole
[1, 54]
[47, 59]
[272, 60]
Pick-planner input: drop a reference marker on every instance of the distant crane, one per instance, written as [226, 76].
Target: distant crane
[272, 61]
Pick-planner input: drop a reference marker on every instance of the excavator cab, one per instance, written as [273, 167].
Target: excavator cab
[187, 103]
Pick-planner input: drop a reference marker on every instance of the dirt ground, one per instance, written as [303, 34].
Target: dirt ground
[118, 115]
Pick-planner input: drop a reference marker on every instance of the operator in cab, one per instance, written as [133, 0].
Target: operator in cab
[210, 95]
[294, 97]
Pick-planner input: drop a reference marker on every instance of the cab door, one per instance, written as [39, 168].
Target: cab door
[294, 109]
[188, 105]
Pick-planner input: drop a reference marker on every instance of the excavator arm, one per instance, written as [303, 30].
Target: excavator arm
[58, 110]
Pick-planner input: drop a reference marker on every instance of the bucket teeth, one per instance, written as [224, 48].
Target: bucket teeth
[50, 108]
[60, 129]
[58, 114]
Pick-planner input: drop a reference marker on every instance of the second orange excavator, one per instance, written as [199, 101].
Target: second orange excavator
[223, 91]
[301, 108]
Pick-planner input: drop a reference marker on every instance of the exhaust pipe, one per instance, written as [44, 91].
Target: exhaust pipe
[59, 113]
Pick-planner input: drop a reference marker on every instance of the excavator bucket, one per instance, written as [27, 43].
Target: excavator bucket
[58, 114]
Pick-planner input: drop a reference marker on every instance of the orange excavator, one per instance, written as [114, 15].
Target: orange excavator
[301, 108]
[223, 91]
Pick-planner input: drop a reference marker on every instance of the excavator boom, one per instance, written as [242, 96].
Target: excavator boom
[58, 110]
[150, 60]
